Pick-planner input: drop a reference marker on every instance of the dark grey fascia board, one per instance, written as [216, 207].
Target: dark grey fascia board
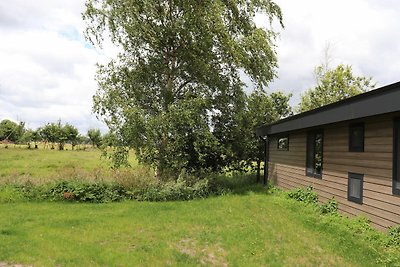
[376, 102]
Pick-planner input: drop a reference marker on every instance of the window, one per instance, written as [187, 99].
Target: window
[314, 154]
[283, 143]
[396, 159]
[356, 137]
[355, 187]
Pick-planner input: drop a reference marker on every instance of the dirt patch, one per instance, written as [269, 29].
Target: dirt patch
[5, 264]
[210, 255]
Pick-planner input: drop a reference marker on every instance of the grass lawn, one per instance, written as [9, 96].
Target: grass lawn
[245, 228]
[251, 229]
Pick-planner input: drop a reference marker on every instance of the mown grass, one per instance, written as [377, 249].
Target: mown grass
[236, 230]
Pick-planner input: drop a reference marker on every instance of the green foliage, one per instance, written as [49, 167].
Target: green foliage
[27, 137]
[102, 192]
[180, 189]
[261, 108]
[330, 207]
[334, 85]
[358, 227]
[71, 134]
[58, 133]
[305, 195]
[86, 192]
[394, 236]
[174, 90]
[11, 131]
[50, 133]
[95, 137]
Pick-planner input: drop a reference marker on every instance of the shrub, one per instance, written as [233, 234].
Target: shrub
[394, 236]
[330, 207]
[86, 192]
[180, 189]
[305, 195]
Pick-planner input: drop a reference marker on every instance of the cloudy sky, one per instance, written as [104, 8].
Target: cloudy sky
[47, 69]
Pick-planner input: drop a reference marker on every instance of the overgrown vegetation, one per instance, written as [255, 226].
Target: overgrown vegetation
[358, 227]
[102, 192]
[306, 195]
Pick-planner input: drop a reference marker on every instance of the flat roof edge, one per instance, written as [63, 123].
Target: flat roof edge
[375, 102]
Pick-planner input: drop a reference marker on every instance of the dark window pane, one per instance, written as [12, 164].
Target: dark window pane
[396, 157]
[397, 185]
[283, 143]
[318, 154]
[314, 154]
[356, 138]
[310, 153]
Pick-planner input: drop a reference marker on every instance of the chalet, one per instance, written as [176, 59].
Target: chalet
[349, 150]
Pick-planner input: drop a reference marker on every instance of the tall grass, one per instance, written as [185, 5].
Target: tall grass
[40, 166]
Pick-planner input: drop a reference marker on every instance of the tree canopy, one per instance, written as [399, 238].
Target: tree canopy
[95, 137]
[334, 85]
[174, 90]
[11, 131]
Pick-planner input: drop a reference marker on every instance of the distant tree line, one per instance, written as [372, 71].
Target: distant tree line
[52, 135]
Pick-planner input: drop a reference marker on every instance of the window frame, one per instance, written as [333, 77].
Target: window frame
[277, 143]
[312, 135]
[396, 152]
[355, 176]
[353, 126]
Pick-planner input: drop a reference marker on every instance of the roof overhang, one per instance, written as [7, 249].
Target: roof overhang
[376, 102]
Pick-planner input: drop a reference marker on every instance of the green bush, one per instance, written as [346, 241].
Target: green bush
[86, 192]
[180, 189]
[394, 236]
[330, 207]
[305, 195]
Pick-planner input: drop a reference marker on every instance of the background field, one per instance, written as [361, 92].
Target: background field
[19, 164]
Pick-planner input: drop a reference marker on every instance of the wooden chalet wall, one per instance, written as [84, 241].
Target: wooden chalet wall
[287, 169]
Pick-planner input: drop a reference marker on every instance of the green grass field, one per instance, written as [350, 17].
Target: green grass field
[245, 228]
[19, 164]
[238, 230]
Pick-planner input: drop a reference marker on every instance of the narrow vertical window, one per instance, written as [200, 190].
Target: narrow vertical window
[283, 143]
[356, 137]
[355, 187]
[396, 159]
[314, 154]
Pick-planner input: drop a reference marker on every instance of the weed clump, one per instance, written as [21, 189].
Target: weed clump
[305, 195]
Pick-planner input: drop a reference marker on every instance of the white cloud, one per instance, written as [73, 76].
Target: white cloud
[47, 69]
[361, 33]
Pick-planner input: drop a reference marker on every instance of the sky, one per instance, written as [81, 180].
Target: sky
[47, 68]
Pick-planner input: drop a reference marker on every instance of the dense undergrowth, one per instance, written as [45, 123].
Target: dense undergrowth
[126, 187]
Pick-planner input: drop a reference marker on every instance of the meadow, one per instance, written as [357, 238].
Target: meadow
[250, 226]
[19, 164]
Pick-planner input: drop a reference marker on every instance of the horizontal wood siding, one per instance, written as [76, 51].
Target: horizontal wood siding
[287, 170]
